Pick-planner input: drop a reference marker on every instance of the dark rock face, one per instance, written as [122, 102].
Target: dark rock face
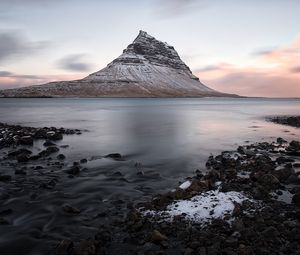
[156, 52]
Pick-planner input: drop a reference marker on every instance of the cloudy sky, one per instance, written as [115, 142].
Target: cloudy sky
[238, 46]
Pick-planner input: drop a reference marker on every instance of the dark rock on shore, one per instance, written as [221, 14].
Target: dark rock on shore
[15, 134]
[293, 121]
[113, 156]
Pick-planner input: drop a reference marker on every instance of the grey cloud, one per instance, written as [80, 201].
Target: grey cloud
[175, 8]
[18, 76]
[74, 62]
[5, 74]
[263, 52]
[14, 44]
[295, 69]
[209, 68]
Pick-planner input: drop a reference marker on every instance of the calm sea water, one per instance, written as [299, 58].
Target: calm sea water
[170, 138]
[177, 134]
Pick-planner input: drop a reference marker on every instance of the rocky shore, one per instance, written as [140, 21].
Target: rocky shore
[246, 201]
[293, 121]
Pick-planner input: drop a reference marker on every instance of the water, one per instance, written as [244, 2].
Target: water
[170, 138]
[158, 131]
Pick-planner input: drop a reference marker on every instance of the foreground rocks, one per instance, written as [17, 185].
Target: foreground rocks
[267, 223]
[262, 171]
[13, 135]
[293, 121]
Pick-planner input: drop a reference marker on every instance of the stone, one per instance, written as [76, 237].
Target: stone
[296, 198]
[64, 247]
[48, 143]
[70, 209]
[52, 135]
[26, 140]
[113, 156]
[5, 178]
[157, 237]
[74, 170]
[61, 157]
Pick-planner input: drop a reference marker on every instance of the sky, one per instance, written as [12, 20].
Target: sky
[250, 48]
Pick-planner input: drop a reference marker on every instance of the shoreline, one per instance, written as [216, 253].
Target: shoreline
[126, 226]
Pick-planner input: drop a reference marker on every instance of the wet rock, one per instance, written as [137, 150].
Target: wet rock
[294, 145]
[4, 221]
[52, 135]
[20, 171]
[83, 161]
[293, 179]
[86, 247]
[113, 156]
[269, 180]
[26, 140]
[296, 198]
[5, 178]
[19, 152]
[270, 233]
[282, 160]
[61, 157]
[281, 140]
[64, 247]
[157, 237]
[70, 209]
[245, 250]
[50, 150]
[74, 170]
[48, 143]
[284, 174]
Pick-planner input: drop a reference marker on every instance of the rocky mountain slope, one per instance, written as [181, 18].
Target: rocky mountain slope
[146, 68]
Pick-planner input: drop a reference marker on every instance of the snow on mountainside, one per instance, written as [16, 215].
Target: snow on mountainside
[147, 68]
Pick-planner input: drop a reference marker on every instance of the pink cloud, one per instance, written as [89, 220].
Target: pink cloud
[10, 80]
[277, 74]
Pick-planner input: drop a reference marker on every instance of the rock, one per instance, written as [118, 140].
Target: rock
[24, 157]
[294, 145]
[83, 161]
[5, 178]
[281, 140]
[269, 180]
[64, 247]
[281, 160]
[52, 135]
[61, 157]
[245, 250]
[26, 140]
[157, 237]
[296, 198]
[74, 170]
[86, 247]
[4, 221]
[114, 156]
[284, 174]
[19, 152]
[70, 209]
[270, 233]
[20, 171]
[231, 242]
[48, 143]
[293, 179]
[50, 150]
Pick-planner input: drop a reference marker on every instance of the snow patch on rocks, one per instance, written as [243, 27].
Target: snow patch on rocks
[203, 208]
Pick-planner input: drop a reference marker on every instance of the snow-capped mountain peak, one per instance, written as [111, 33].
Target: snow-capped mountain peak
[146, 68]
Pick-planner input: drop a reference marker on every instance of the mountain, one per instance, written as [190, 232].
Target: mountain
[146, 68]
